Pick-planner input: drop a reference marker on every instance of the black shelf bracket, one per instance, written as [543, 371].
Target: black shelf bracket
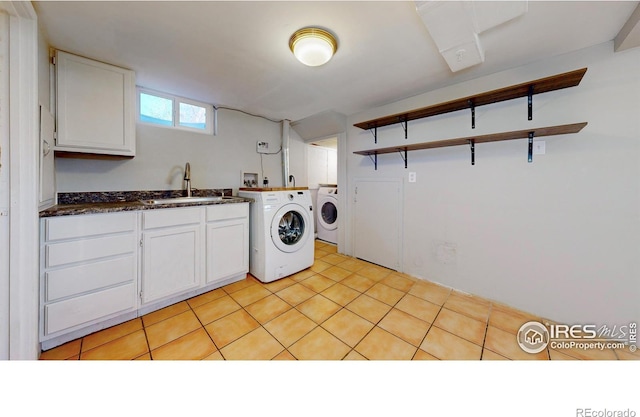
[374, 160]
[530, 156]
[472, 145]
[374, 132]
[472, 106]
[404, 157]
[405, 125]
[530, 102]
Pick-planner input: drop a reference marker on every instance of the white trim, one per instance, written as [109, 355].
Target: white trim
[344, 205]
[4, 187]
[23, 210]
[20, 9]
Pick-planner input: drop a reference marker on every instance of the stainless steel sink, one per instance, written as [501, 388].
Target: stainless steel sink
[185, 200]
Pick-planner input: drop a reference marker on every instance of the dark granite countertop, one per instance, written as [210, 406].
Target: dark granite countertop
[115, 201]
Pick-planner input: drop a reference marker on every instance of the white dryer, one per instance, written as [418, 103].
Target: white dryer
[280, 233]
[328, 214]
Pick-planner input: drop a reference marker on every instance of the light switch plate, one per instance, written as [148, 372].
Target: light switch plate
[539, 147]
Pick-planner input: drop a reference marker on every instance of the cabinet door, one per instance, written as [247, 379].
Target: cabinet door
[95, 106]
[47, 171]
[170, 261]
[227, 249]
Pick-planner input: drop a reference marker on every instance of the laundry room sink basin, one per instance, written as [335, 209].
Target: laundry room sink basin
[185, 200]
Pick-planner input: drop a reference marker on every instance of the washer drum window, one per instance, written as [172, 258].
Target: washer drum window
[291, 228]
[329, 213]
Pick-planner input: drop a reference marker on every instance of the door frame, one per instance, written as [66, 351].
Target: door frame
[23, 232]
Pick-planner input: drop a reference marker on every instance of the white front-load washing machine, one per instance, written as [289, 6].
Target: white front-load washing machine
[327, 209]
[280, 233]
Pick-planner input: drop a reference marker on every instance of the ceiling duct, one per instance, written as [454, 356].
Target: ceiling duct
[455, 26]
[320, 125]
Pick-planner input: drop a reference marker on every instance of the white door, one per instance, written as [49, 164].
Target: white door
[378, 221]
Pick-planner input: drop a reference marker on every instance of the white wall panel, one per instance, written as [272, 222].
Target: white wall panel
[559, 237]
[216, 161]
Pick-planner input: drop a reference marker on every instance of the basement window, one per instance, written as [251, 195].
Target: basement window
[161, 109]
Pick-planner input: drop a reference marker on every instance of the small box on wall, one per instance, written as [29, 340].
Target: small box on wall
[250, 179]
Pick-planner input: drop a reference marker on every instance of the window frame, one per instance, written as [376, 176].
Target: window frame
[175, 116]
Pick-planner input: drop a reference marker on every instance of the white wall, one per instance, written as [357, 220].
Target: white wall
[559, 237]
[322, 166]
[216, 161]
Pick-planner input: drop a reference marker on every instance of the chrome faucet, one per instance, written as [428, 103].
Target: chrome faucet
[187, 178]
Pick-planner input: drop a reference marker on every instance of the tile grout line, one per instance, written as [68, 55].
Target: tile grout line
[82, 339]
[374, 325]
[260, 324]
[205, 330]
[80, 353]
[486, 331]
[146, 338]
[433, 324]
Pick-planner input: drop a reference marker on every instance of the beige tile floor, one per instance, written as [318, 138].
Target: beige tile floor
[340, 308]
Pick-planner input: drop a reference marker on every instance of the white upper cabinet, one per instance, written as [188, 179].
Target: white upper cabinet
[95, 107]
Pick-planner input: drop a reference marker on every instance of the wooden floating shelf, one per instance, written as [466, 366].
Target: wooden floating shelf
[542, 85]
[473, 140]
[493, 137]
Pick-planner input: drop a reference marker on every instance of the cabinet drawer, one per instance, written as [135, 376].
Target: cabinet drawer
[171, 217]
[68, 227]
[88, 249]
[75, 311]
[66, 282]
[227, 211]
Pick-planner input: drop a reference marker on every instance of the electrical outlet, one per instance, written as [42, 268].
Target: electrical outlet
[539, 147]
[412, 177]
[262, 147]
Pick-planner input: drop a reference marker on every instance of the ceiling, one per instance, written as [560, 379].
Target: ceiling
[236, 54]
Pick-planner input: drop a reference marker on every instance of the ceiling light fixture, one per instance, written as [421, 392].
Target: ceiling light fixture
[313, 46]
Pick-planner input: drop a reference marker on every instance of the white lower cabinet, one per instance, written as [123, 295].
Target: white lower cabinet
[171, 252]
[98, 270]
[227, 241]
[88, 271]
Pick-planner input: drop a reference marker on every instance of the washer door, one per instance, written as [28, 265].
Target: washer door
[290, 228]
[328, 217]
